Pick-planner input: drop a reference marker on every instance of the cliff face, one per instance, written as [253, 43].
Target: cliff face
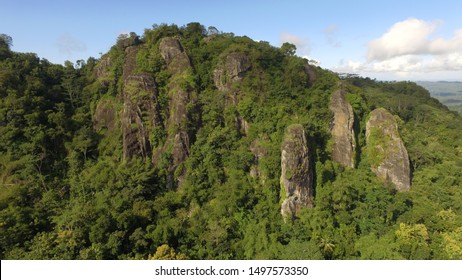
[173, 53]
[343, 150]
[386, 151]
[296, 172]
[235, 65]
[105, 116]
[139, 115]
[139, 108]
[224, 76]
[178, 64]
[102, 70]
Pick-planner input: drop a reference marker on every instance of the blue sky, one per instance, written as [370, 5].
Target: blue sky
[387, 40]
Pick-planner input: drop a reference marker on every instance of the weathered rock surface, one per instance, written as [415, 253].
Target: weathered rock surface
[179, 99]
[235, 65]
[105, 116]
[296, 172]
[386, 150]
[102, 70]
[231, 72]
[343, 136]
[174, 55]
[140, 112]
[311, 73]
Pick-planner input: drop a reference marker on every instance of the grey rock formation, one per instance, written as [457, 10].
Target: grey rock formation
[179, 99]
[105, 116]
[296, 172]
[224, 76]
[343, 149]
[386, 151]
[102, 70]
[174, 55]
[140, 113]
[235, 65]
[139, 108]
[311, 73]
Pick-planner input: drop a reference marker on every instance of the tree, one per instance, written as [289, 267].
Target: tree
[5, 44]
[288, 48]
[212, 30]
[165, 252]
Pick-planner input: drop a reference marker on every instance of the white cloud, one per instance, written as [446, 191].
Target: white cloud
[441, 46]
[303, 45]
[331, 36]
[403, 38]
[411, 49]
[68, 45]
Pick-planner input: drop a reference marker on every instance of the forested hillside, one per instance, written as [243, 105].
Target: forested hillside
[191, 143]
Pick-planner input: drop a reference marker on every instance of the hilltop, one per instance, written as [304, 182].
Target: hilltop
[190, 143]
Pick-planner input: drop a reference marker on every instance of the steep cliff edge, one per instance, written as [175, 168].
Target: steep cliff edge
[296, 172]
[343, 136]
[386, 151]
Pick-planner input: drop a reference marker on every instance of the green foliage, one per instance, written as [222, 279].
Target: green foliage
[66, 193]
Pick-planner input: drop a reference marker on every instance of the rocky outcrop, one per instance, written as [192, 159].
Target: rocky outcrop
[310, 71]
[139, 115]
[174, 55]
[343, 136]
[259, 152]
[140, 112]
[231, 72]
[235, 65]
[105, 116]
[180, 97]
[386, 151]
[102, 70]
[296, 172]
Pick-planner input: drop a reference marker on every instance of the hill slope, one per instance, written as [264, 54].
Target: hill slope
[184, 143]
[448, 93]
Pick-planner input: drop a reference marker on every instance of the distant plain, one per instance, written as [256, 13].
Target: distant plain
[448, 93]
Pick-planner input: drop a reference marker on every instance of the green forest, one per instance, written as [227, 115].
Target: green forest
[170, 146]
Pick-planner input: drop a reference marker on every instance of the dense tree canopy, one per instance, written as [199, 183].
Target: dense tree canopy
[66, 191]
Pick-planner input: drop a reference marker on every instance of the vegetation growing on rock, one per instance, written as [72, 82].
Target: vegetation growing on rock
[169, 146]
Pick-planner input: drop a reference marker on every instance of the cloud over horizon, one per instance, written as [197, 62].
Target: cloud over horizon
[410, 47]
